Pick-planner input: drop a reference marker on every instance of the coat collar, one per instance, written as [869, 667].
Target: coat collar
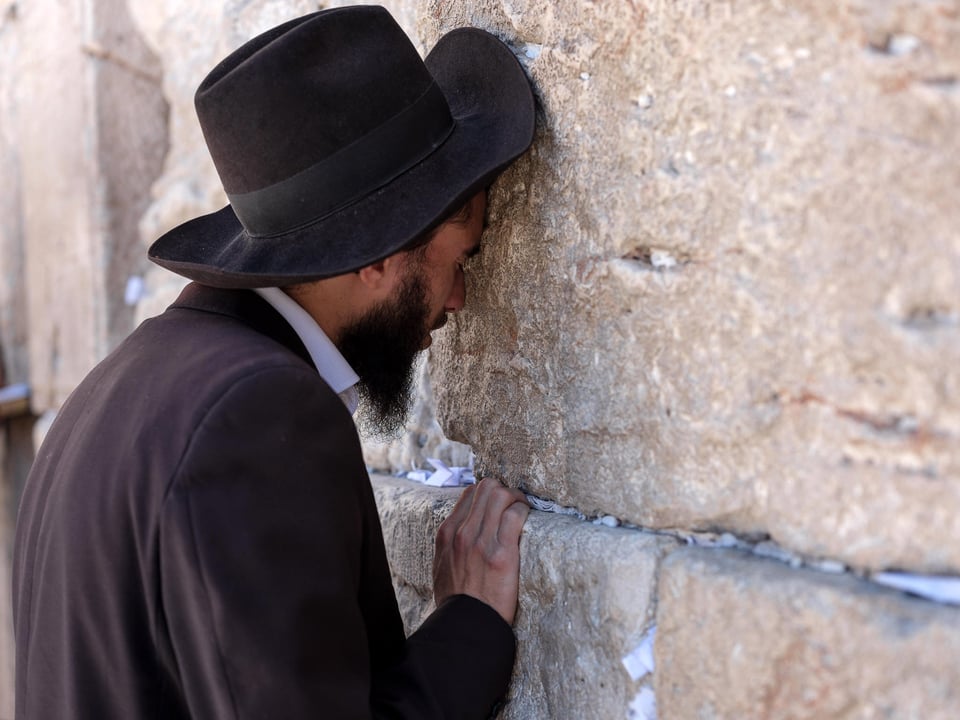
[248, 308]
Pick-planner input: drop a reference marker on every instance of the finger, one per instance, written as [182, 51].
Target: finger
[462, 507]
[473, 522]
[455, 518]
[519, 496]
[511, 524]
[500, 499]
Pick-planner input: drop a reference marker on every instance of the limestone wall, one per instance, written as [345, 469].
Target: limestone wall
[718, 303]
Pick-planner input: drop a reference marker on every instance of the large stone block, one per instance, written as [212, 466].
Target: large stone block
[586, 599]
[721, 291]
[91, 139]
[13, 310]
[743, 637]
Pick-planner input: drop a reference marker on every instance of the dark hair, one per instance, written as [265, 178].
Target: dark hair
[418, 246]
[461, 216]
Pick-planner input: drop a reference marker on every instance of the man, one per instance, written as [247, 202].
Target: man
[198, 537]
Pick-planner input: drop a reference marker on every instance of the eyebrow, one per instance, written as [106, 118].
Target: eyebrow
[463, 215]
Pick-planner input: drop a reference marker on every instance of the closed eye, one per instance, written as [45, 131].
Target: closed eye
[464, 262]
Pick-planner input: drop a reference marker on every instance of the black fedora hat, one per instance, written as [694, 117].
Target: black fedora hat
[338, 146]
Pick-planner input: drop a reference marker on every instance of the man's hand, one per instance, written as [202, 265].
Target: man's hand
[478, 547]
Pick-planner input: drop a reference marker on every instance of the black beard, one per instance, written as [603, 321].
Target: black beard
[382, 348]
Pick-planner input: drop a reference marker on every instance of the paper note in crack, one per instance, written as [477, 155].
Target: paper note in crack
[639, 661]
[443, 476]
[643, 706]
[940, 589]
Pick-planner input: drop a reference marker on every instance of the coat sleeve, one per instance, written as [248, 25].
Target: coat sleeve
[272, 596]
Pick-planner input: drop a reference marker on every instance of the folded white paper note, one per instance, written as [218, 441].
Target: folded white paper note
[643, 706]
[442, 476]
[931, 587]
[639, 661]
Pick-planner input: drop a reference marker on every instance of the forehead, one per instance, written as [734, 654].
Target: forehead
[471, 209]
[464, 227]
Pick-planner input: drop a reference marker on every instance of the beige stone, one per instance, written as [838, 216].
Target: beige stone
[13, 336]
[720, 292]
[90, 139]
[722, 289]
[586, 600]
[743, 637]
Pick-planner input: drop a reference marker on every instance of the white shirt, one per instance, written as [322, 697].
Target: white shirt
[334, 370]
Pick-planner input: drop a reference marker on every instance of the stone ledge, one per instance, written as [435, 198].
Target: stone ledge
[740, 636]
[587, 595]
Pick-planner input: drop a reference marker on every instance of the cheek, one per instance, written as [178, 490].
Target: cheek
[442, 287]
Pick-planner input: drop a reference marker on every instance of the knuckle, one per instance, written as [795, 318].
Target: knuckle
[499, 557]
[445, 533]
[518, 510]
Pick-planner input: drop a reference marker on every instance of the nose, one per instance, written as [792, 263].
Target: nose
[458, 293]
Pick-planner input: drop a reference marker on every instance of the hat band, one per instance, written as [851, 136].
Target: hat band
[351, 173]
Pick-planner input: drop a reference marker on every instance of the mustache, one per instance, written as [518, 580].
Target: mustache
[440, 322]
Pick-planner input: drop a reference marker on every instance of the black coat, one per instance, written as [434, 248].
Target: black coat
[198, 539]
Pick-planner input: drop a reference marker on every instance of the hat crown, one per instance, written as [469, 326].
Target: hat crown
[297, 95]
[338, 146]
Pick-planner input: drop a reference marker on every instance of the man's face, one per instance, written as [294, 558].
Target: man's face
[441, 261]
[382, 345]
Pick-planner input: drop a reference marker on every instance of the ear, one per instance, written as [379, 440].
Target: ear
[381, 277]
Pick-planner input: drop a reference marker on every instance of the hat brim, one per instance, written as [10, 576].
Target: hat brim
[493, 108]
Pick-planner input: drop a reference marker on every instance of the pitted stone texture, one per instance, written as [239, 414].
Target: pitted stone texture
[743, 637]
[410, 515]
[587, 596]
[586, 599]
[721, 291]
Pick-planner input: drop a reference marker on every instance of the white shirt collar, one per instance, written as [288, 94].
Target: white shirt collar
[331, 365]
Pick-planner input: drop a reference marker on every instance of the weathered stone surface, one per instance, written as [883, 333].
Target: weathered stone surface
[743, 637]
[586, 598]
[722, 289]
[58, 186]
[410, 516]
[90, 141]
[13, 351]
[13, 333]
[188, 39]
[721, 292]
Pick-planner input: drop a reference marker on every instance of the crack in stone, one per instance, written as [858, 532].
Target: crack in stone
[99, 52]
[902, 425]
[656, 258]
[763, 548]
[930, 317]
[946, 83]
